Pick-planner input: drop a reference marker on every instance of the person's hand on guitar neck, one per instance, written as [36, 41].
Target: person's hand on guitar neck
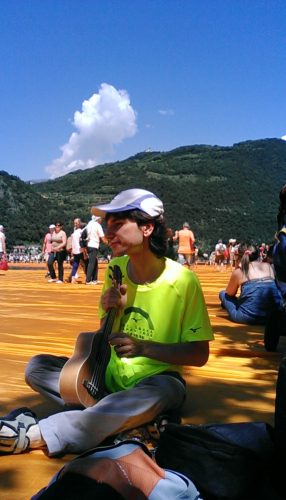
[114, 297]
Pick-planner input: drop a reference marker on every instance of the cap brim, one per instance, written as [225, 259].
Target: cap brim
[97, 211]
[110, 208]
[133, 199]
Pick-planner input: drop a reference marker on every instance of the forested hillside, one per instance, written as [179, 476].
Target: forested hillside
[222, 192]
[23, 212]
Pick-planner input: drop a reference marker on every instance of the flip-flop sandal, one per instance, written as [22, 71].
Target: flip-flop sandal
[19, 422]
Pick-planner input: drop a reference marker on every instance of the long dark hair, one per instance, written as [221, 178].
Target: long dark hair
[247, 253]
[158, 238]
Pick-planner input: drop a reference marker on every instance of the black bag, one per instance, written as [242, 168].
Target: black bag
[225, 461]
[83, 239]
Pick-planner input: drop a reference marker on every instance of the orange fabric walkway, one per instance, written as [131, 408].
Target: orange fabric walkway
[237, 384]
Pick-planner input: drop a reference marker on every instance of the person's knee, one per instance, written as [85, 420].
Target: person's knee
[167, 386]
[33, 367]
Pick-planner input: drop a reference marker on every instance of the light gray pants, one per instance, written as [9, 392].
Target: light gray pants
[77, 430]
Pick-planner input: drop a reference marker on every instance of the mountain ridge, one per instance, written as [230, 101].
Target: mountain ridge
[223, 191]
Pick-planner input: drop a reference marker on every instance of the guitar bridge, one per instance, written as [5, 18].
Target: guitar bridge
[91, 388]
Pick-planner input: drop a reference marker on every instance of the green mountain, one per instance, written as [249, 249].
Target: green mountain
[223, 192]
[24, 213]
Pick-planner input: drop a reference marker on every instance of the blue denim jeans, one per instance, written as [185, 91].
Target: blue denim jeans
[258, 299]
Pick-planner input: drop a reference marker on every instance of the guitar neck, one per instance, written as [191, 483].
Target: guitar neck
[111, 314]
[108, 324]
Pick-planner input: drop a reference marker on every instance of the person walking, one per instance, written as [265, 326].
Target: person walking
[58, 254]
[2, 243]
[47, 246]
[186, 242]
[76, 250]
[95, 234]
[220, 257]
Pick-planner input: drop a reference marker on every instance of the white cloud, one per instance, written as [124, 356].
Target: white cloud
[283, 137]
[106, 119]
[166, 112]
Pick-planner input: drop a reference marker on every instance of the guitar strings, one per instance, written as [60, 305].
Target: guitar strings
[100, 367]
[102, 353]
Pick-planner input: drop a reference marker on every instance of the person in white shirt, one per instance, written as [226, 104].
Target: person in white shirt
[2, 242]
[94, 235]
[76, 250]
[220, 249]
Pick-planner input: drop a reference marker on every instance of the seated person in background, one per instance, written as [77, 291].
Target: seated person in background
[279, 249]
[259, 295]
[162, 324]
[276, 323]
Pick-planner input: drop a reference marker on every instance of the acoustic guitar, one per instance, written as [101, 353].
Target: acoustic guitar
[82, 379]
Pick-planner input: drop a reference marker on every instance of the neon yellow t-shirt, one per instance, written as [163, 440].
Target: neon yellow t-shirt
[169, 310]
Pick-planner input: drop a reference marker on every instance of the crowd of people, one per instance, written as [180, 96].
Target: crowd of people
[79, 249]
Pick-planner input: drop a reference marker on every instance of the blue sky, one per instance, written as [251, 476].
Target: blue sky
[85, 82]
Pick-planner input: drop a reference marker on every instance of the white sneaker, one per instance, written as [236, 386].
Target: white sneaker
[52, 280]
[90, 283]
[59, 281]
[94, 282]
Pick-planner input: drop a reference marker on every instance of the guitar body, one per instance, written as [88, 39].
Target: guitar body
[82, 379]
[77, 385]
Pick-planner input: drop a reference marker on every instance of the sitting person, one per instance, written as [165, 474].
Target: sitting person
[125, 470]
[276, 323]
[161, 325]
[279, 249]
[259, 295]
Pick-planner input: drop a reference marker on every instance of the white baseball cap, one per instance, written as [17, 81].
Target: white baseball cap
[52, 226]
[132, 199]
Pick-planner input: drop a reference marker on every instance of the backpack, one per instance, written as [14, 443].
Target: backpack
[83, 238]
[244, 461]
[225, 461]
